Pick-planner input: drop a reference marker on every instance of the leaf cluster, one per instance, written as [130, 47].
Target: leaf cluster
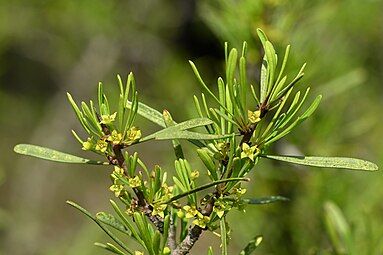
[166, 214]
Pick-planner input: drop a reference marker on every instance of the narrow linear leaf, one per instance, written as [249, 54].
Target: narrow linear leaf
[125, 220]
[109, 233]
[337, 228]
[264, 200]
[222, 224]
[252, 245]
[170, 134]
[53, 155]
[110, 247]
[111, 221]
[330, 162]
[203, 187]
[149, 113]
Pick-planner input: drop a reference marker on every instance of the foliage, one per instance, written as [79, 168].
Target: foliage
[168, 216]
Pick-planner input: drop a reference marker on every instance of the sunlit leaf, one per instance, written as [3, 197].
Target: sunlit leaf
[111, 221]
[337, 228]
[264, 200]
[252, 245]
[110, 247]
[203, 187]
[149, 113]
[107, 231]
[330, 162]
[53, 155]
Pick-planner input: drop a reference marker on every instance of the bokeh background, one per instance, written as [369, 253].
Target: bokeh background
[50, 47]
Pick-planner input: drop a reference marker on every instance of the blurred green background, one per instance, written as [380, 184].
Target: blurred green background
[50, 47]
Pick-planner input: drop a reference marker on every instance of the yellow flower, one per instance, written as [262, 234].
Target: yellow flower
[133, 135]
[117, 189]
[88, 145]
[180, 214]
[108, 119]
[201, 221]
[118, 170]
[115, 137]
[219, 208]
[138, 253]
[158, 209]
[101, 145]
[134, 182]
[166, 250]
[254, 117]
[129, 211]
[191, 211]
[194, 175]
[239, 191]
[249, 152]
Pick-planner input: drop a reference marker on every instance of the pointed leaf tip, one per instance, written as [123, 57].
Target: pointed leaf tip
[53, 155]
[330, 162]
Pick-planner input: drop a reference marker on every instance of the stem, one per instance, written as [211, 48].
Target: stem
[194, 232]
[146, 208]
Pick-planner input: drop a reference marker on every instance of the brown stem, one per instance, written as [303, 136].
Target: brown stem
[145, 207]
[194, 232]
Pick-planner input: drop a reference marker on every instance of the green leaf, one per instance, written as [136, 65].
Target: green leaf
[78, 113]
[110, 247]
[262, 36]
[337, 228]
[107, 231]
[178, 131]
[53, 155]
[222, 224]
[143, 227]
[110, 220]
[330, 162]
[166, 232]
[252, 245]
[184, 135]
[208, 161]
[203, 187]
[263, 200]
[127, 223]
[271, 64]
[176, 144]
[149, 113]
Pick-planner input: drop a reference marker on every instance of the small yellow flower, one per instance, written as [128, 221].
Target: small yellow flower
[191, 211]
[134, 182]
[101, 145]
[158, 209]
[239, 191]
[201, 221]
[138, 253]
[180, 214]
[166, 250]
[118, 170]
[219, 208]
[115, 137]
[88, 145]
[167, 189]
[132, 135]
[108, 119]
[254, 117]
[117, 189]
[129, 211]
[194, 175]
[249, 152]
